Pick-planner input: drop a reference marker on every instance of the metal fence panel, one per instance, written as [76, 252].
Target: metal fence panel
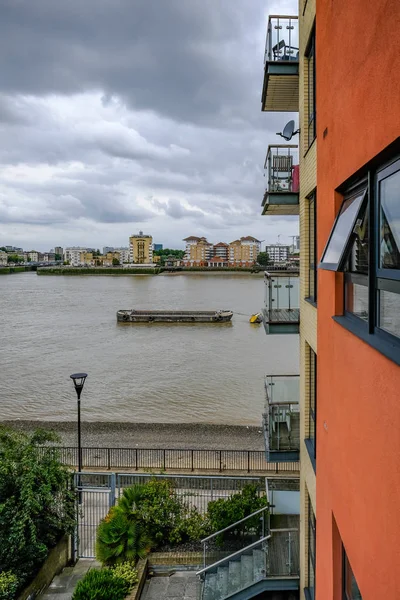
[179, 459]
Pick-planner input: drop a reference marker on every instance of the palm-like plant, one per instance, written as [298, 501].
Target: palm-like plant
[121, 536]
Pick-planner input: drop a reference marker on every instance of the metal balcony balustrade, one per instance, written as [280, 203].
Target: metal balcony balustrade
[281, 166]
[281, 418]
[281, 69]
[281, 312]
[248, 558]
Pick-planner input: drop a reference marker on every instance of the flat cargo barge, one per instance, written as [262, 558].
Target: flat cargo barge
[174, 316]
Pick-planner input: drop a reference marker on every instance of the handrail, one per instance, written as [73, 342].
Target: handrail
[237, 553]
[260, 510]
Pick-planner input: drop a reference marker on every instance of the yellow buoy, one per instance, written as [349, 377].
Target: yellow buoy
[256, 318]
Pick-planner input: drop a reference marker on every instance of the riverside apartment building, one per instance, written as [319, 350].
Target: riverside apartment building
[337, 63]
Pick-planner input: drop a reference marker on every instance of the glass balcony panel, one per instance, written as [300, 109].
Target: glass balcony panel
[282, 39]
[282, 417]
[282, 303]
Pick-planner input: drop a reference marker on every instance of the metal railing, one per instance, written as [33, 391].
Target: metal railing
[282, 293]
[247, 530]
[233, 555]
[282, 168]
[282, 42]
[174, 459]
[281, 554]
[282, 412]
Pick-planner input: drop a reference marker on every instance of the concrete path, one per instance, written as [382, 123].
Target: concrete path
[63, 585]
[183, 585]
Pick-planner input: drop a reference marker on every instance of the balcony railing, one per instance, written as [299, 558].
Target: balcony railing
[281, 313]
[281, 166]
[281, 71]
[281, 418]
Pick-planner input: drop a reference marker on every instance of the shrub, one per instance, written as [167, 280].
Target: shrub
[8, 585]
[37, 501]
[101, 585]
[225, 512]
[127, 572]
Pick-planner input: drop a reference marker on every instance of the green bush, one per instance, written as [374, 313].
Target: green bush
[127, 572]
[37, 503]
[225, 512]
[8, 585]
[101, 585]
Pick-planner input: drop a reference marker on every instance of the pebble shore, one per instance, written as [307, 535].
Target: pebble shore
[151, 435]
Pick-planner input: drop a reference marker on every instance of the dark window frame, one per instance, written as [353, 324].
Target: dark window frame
[347, 568]
[312, 249]
[377, 279]
[311, 98]
[311, 440]
[312, 531]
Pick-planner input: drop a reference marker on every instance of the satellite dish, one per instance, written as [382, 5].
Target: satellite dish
[288, 131]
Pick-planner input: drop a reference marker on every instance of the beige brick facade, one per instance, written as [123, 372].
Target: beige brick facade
[308, 312]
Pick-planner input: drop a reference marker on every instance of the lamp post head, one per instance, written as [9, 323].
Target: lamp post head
[79, 382]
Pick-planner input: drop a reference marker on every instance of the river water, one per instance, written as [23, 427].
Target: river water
[52, 326]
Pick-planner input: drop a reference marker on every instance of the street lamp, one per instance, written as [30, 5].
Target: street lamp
[79, 382]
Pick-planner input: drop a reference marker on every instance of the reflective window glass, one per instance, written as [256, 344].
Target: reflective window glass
[351, 590]
[357, 300]
[389, 312]
[341, 231]
[390, 222]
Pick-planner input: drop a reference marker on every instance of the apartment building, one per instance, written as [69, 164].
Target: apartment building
[72, 255]
[278, 252]
[346, 90]
[141, 248]
[244, 251]
[3, 257]
[124, 254]
[86, 259]
[197, 251]
[221, 250]
[59, 250]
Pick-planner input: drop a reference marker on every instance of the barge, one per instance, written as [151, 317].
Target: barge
[174, 316]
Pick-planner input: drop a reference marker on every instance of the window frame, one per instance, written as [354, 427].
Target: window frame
[311, 441]
[346, 566]
[387, 163]
[312, 249]
[311, 556]
[311, 114]
[339, 265]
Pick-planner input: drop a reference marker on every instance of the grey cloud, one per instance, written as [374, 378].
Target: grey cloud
[180, 59]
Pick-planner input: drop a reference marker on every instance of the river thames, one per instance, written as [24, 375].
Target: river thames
[52, 326]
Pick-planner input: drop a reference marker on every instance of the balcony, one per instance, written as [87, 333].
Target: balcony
[281, 166]
[281, 68]
[281, 418]
[281, 313]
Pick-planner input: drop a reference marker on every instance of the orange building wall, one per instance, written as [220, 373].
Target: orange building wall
[358, 411]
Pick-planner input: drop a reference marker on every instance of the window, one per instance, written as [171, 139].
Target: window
[310, 66]
[334, 253]
[311, 441]
[312, 248]
[350, 588]
[311, 526]
[365, 244]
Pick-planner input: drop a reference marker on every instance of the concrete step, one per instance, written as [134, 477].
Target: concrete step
[210, 583]
[246, 570]
[234, 582]
[258, 565]
[222, 582]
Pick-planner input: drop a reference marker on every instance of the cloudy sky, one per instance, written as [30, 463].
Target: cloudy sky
[120, 115]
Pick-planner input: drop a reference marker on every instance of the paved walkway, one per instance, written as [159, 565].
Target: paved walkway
[63, 585]
[184, 585]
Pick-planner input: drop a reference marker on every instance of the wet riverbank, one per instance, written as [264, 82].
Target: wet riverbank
[151, 435]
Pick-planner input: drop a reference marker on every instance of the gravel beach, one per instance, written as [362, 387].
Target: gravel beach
[152, 435]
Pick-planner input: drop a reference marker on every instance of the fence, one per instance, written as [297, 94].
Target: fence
[245, 461]
[99, 491]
